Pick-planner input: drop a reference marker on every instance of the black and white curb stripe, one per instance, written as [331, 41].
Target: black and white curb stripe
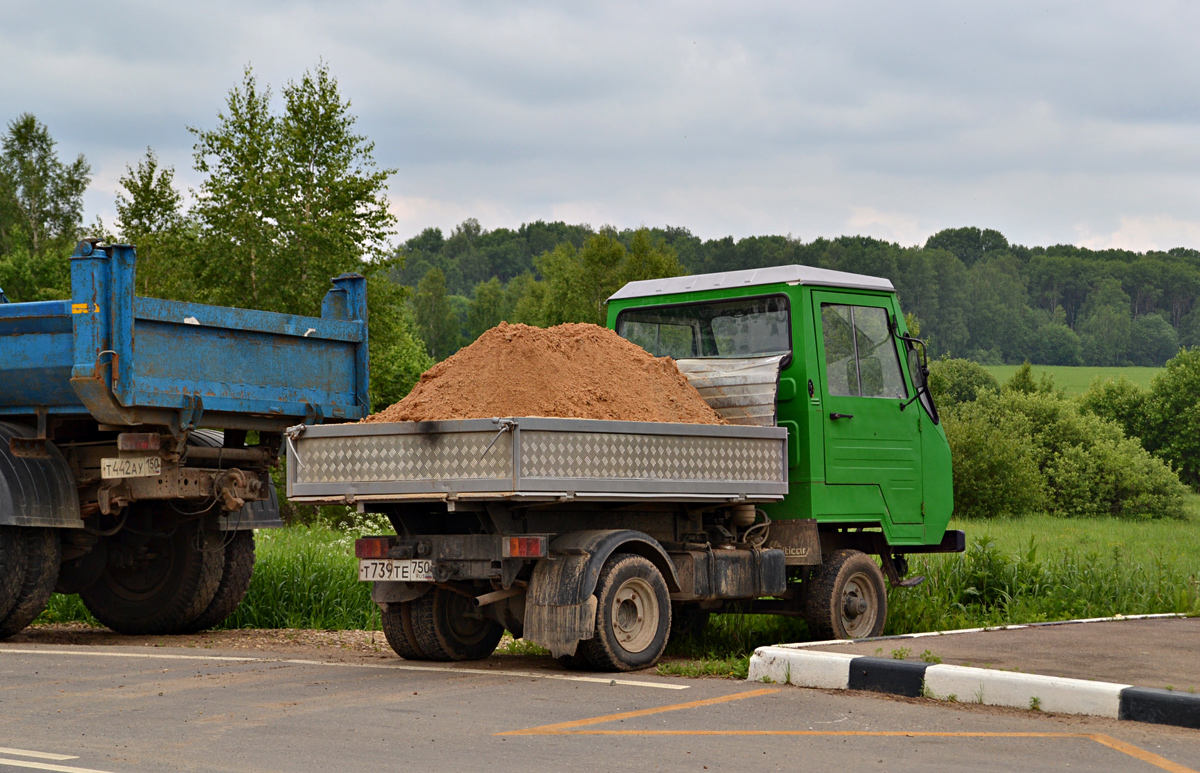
[840, 671]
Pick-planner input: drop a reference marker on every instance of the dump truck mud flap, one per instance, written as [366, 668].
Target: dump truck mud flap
[560, 610]
[36, 491]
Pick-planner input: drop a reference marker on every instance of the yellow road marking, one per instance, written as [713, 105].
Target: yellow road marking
[571, 728]
[563, 727]
[1139, 753]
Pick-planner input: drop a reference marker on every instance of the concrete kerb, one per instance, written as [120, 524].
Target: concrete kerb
[798, 665]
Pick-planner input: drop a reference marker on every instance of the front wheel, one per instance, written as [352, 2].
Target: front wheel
[847, 598]
[633, 616]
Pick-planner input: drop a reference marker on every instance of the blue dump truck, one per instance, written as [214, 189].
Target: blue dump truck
[137, 437]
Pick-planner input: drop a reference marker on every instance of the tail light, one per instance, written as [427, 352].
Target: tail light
[372, 547]
[524, 547]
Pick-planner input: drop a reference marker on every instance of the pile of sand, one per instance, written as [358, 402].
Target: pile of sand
[570, 371]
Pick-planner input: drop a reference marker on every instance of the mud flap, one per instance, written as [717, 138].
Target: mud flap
[560, 627]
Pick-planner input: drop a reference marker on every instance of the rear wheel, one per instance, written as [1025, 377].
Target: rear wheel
[42, 555]
[157, 582]
[448, 626]
[398, 628]
[12, 567]
[234, 582]
[847, 598]
[633, 616]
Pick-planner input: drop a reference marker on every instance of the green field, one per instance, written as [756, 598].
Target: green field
[1077, 380]
[1016, 570]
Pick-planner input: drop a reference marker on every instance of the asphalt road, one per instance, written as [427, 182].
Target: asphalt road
[134, 709]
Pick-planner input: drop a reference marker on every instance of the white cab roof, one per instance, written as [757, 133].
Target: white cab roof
[801, 275]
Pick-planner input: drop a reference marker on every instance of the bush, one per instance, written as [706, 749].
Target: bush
[1174, 415]
[1017, 451]
[954, 381]
[995, 472]
[1121, 402]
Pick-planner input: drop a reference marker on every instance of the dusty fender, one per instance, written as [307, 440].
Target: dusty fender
[36, 491]
[560, 610]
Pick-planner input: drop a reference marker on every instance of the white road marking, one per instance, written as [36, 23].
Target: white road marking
[47, 766]
[39, 755]
[384, 666]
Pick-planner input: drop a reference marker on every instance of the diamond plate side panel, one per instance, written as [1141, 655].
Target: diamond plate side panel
[412, 457]
[650, 457]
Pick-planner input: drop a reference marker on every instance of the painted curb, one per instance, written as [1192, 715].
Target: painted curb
[963, 684]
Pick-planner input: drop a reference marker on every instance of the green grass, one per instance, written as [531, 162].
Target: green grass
[1017, 570]
[1075, 381]
[303, 578]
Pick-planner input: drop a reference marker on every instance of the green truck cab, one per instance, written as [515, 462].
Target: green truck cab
[868, 460]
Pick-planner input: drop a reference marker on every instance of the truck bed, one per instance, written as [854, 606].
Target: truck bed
[536, 459]
[127, 360]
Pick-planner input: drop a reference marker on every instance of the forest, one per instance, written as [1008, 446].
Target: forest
[974, 294]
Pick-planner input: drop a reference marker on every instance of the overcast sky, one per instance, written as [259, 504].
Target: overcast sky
[1053, 122]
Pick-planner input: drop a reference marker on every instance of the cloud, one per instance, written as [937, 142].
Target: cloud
[1054, 123]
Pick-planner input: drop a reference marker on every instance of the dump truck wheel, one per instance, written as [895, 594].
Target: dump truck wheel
[161, 595]
[234, 582]
[688, 621]
[12, 567]
[448, 626]
[847, 598]
[633, 616]
[398, 628]
[42, 554]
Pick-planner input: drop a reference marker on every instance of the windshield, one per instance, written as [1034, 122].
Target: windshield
[745, 327]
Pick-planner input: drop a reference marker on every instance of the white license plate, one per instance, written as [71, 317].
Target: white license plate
[401, 569]
[134, 467]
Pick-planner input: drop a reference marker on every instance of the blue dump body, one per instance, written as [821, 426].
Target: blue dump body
[126, 360]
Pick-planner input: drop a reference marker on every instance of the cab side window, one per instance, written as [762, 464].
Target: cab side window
[860, 354]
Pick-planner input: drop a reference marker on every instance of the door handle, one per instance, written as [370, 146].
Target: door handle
[836, 416]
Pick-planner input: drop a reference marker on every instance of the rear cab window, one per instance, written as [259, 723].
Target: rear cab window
[735, 328]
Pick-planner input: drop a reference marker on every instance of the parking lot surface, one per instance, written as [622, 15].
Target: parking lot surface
[115, 708]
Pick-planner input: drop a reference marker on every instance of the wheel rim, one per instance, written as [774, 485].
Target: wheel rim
[146, 582]
[462, 620]
[635, 615]
[859, 609]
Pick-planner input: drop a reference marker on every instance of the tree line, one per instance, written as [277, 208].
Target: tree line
[974, 294]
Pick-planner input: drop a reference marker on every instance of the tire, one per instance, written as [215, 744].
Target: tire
[847, 598]
[633, 616]
[168, 593]
[12, 567]
[445, 627]
[234, 582]
[42, 556]
[398, 628]
[688, 622]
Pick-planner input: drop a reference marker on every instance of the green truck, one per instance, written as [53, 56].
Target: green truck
[601, 539]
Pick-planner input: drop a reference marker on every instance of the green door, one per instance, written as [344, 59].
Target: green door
[868, 438]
